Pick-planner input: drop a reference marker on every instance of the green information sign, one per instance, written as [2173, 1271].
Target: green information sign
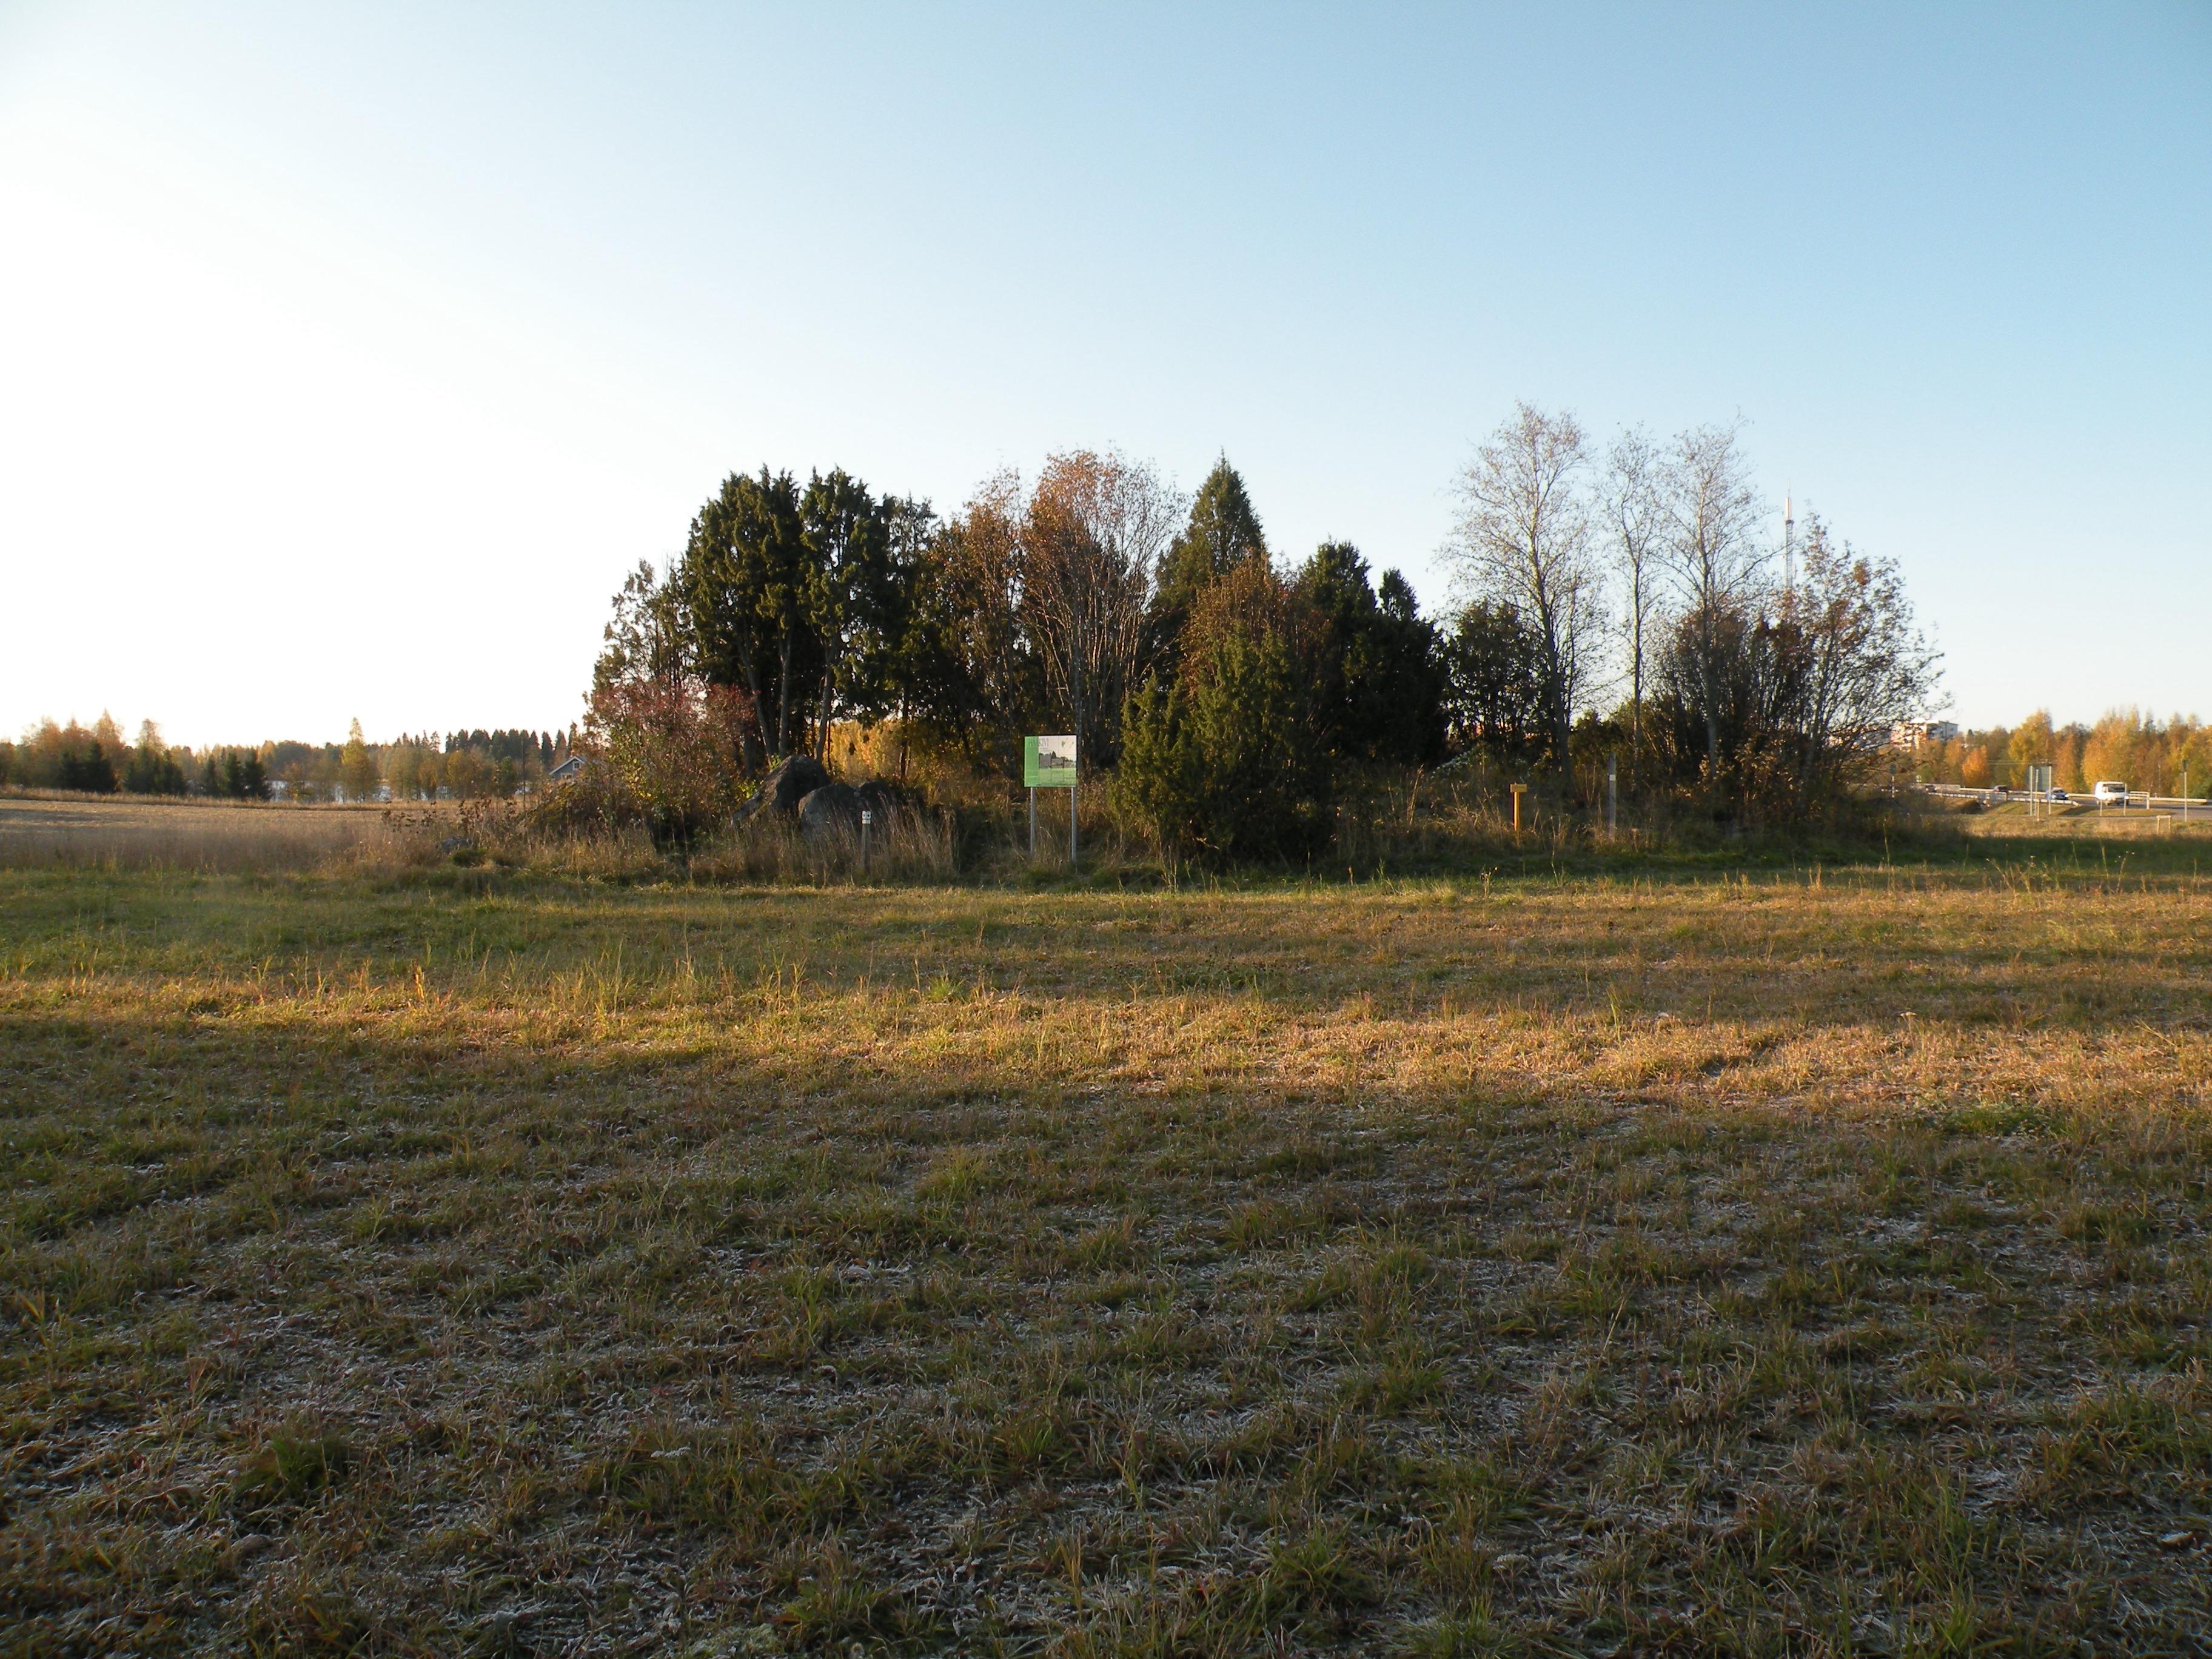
[1049, 762]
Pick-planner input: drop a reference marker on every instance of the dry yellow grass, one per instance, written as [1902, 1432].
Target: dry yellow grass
[1810, 1262]
[74, 830]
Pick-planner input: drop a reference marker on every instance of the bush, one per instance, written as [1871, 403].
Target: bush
[666, 752]
[1229, 766]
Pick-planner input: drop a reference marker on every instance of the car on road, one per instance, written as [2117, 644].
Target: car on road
[2108, 794]
[2060, 797]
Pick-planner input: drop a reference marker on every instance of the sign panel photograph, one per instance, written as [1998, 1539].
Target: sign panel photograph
[1049, 762]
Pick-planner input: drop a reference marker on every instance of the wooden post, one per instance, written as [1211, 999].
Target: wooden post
[1519, 790]
[1611, 795]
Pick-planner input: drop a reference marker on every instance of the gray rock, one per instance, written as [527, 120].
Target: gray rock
[886, 801]
[833, 806]
[784, 789]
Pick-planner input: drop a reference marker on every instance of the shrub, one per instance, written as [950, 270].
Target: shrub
[1228, 765]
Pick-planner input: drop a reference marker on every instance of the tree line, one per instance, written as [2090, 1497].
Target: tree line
[2166, 758]
[1625, 597]
[463, 764]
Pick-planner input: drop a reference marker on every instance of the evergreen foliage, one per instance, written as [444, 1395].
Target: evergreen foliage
[87, 770]
[1494, 670]
[1381, 674]
[1224, 532]
[1230, 761]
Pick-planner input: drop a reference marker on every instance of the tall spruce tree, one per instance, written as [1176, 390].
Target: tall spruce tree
[1224, 532]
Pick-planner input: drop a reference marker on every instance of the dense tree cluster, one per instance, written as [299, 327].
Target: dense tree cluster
[1077, 601]
[96, 761]
[461, 766]
[1628, 597]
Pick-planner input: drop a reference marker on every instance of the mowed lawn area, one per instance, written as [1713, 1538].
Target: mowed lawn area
[1803, 1262]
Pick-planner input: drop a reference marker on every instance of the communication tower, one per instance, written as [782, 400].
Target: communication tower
[1789, 544]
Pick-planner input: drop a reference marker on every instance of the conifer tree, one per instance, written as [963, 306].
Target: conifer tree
[1224, 532]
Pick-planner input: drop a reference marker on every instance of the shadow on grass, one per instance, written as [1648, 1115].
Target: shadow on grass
[657, 1342]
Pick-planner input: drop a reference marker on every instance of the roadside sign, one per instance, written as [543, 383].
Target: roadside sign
[1049, 762]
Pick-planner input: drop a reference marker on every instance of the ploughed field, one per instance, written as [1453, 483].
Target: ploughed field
[1810, 1263]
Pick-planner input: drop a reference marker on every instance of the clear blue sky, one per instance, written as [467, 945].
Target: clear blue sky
[348, 357]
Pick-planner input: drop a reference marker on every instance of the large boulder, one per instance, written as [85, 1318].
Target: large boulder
[832, 808]
[887, 802]
[784, 789]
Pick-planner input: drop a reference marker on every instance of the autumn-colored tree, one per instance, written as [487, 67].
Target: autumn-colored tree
[357, 769]
[151, 768]
[965, 666]
[2033, 743]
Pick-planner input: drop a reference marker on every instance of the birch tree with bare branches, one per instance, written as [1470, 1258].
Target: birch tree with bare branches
[1862, 665]
[1092, 542]
[1713, 550]
[1634, 508]
[1524, 537]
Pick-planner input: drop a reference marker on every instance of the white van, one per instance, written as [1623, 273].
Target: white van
[2109, 793]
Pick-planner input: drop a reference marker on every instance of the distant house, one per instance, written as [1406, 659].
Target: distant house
[567, 769]
[1919, 735]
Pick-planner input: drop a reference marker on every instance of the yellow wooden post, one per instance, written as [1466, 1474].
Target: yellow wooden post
[1519, 790]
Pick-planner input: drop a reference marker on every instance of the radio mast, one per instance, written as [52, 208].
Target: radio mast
[1789, 544]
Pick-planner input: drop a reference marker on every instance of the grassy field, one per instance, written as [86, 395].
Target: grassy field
[132, 832]
[1810, 1262]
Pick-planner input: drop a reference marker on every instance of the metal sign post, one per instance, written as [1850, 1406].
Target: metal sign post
[1050, 764]
[867, 817]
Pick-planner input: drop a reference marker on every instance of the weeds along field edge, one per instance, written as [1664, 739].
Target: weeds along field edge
[460, 1258]
[1411, 833]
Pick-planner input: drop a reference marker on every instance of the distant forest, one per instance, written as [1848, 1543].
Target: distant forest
[2126, 746]
[460, 765]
